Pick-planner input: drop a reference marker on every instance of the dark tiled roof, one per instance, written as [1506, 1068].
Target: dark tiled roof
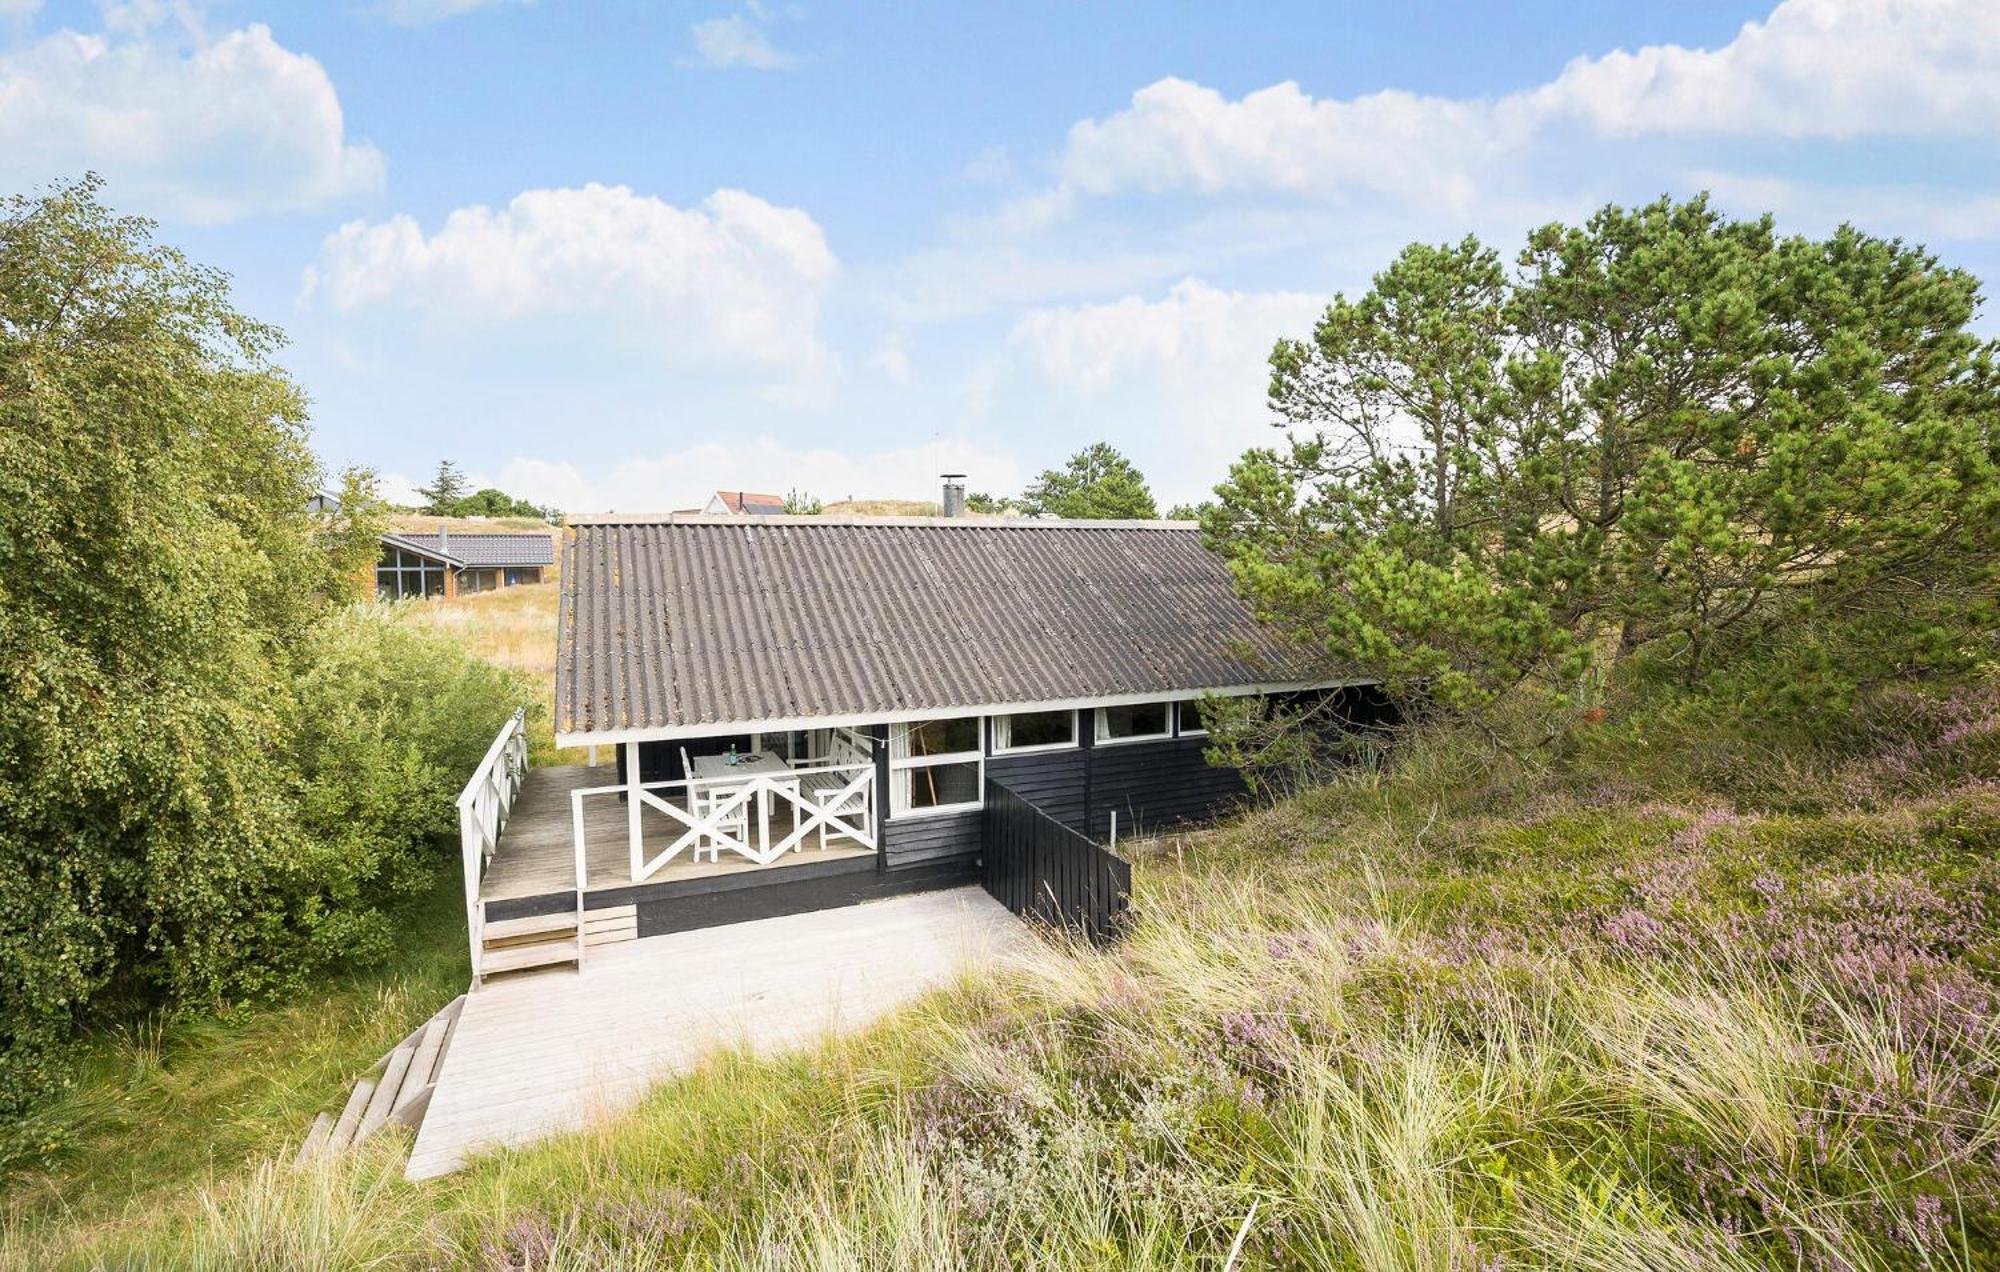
[722, 621]
[480, 551]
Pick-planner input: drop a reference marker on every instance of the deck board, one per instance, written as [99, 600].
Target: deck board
[551, 1051]
[537, 852]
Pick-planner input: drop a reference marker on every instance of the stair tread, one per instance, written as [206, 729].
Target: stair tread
[350, 1115]
[532, 925]
[316, 1138]
[386, 1087]
[515, 957]
[425, 1062]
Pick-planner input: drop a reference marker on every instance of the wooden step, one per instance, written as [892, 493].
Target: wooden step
[513, 958]
[423, 1066]
[322, 1129]
[501, 931]
[383, 1101]
[398, 1089]
[350, 1116]
[610, 928]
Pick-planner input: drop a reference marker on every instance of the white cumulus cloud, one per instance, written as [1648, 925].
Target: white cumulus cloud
[734, 275]
[1192, 362]
[425, 12]
[205, 130]
[1824, 69]
[1814, 68]
[736, 41]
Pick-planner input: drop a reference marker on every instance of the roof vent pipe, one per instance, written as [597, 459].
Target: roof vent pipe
[954, 494]
[444, 539]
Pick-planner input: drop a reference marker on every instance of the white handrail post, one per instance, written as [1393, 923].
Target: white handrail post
[763, 798]
[632, 828]
[470, 852]
[482, 812]
[576, 828]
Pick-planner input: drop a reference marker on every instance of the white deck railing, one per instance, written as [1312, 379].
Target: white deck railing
[482, 814]
[826, 799]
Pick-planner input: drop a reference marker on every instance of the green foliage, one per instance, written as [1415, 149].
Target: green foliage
[1096, 484]
[1664, 445]
[800, 504]
[489, 502]
[991, 505]
[166, 813]
[164, 1100]
[447, 496]
[350, 538]
[446, 491]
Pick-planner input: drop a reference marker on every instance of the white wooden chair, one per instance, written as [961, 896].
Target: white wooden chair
[702, 802]
[825, 788]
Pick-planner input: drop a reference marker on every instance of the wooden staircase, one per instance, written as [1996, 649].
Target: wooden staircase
[396, 1091]
[543, 940]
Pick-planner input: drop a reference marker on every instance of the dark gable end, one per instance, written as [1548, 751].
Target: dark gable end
[712, 622]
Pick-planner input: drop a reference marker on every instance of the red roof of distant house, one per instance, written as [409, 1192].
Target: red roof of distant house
[742, 501]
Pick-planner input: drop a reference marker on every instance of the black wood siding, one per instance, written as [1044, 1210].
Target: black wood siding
[1151, 785]
[1154, 785]
[1053, 781]
[918, 841]
[1039, 868]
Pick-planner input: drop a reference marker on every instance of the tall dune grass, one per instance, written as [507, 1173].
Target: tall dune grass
[1411, 1022]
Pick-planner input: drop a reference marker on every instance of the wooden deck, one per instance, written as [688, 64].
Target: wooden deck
[537, 853]
[550, 1051]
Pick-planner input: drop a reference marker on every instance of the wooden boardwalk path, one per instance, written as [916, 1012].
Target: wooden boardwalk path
[550, 1051]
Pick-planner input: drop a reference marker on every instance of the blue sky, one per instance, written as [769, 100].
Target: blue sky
[616, 255]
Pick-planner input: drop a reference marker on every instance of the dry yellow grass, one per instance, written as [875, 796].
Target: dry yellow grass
[418, 523]
[513, 627]
[898, 508]
[883, 508]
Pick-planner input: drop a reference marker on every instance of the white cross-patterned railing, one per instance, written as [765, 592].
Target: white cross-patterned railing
[735, 814]
[482, 813]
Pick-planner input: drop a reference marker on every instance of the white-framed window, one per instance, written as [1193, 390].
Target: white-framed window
[936, 766]
[1138, 722]
[1188, 711]
[1028, 731]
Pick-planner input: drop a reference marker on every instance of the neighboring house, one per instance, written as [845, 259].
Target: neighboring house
[743, 503]
[322, 504]
[446, 564]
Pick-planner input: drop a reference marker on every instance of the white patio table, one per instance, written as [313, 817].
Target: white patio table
[712, 770]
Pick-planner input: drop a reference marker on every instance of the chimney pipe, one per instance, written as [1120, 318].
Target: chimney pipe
[954, 494]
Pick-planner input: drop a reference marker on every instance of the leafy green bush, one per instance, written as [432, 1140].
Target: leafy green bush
[188, 806]
[390, 721]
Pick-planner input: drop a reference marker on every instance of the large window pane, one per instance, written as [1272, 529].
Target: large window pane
[939, 785]
[1039, 728]
[1141, 720]
[944, 737]
[1191, 721]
